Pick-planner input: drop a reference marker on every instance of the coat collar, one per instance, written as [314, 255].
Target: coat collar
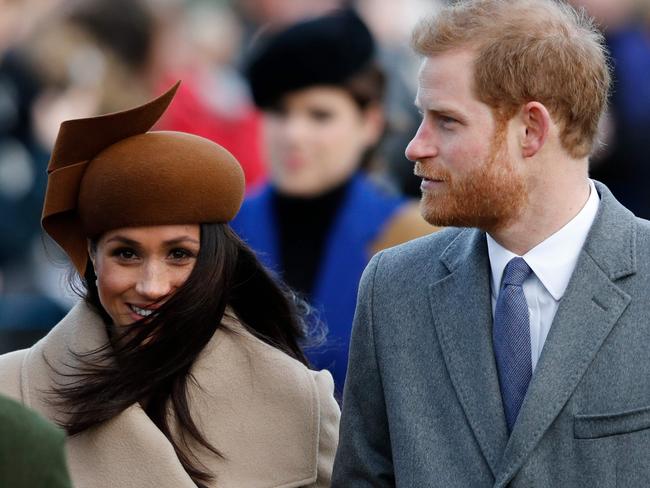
[51, 361]
[239, 400]
[592, 304]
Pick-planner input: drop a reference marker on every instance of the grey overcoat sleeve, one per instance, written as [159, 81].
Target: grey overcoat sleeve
[364, 455]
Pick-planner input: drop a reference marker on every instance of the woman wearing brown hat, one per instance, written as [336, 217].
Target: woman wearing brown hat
[322, 217]
[181, 367]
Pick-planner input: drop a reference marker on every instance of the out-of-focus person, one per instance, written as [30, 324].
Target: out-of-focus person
[322, 215]
[101, 56]
[281, 13]
[181, 367]
[391, 24]
[199, 43]
[26, 310]
[623, 162]
[32, 452]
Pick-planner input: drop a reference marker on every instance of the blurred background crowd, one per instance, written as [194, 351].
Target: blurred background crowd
[62, 59]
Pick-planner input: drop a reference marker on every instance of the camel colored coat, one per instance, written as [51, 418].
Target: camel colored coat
[275, 421]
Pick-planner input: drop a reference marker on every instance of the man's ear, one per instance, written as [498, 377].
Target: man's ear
[536, 125]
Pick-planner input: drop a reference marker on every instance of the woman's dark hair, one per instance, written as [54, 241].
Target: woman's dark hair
[367, 88]
[152, 361]
[126, 27]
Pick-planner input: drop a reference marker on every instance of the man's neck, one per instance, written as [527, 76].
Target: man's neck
[552, 203]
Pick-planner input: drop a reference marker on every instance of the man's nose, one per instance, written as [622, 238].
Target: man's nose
[422, 145]
[154, 282]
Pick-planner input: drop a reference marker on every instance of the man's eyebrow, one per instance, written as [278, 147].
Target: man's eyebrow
[441, 111]
[447, 111]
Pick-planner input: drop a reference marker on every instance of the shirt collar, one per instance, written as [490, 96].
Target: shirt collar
[554, 259]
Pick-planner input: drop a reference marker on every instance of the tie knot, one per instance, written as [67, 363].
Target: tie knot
[516, 272]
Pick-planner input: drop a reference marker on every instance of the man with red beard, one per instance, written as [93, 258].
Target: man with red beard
[511, 348]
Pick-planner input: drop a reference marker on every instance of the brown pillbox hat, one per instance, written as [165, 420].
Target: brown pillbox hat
[109, 172]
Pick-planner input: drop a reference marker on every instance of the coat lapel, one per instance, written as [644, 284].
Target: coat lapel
[460, 303]
[587, 313]
[128, 450]
[130, 440]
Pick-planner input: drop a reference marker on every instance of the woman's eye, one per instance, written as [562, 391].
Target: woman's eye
[180, 254]
[320, 115]
[125, 254]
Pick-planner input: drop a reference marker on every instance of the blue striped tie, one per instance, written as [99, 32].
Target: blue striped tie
[511, 338]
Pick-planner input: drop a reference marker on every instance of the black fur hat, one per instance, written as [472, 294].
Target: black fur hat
[326, 50]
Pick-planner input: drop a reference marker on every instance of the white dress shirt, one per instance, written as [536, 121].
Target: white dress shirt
[552, 261]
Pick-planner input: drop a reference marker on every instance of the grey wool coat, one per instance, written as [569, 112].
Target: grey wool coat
[422, 406]
[274, 421]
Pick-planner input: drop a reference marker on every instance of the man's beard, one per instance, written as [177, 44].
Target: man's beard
[488, 197]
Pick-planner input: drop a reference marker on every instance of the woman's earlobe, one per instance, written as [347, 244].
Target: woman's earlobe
[90, 249]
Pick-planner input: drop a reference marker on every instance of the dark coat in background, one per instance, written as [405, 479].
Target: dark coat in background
[32, 453]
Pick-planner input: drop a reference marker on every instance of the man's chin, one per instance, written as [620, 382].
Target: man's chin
[446, 212]
[437, 217]
[438, 211]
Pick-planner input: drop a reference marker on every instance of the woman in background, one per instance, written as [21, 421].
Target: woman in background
[322, 216]
[182, 366]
